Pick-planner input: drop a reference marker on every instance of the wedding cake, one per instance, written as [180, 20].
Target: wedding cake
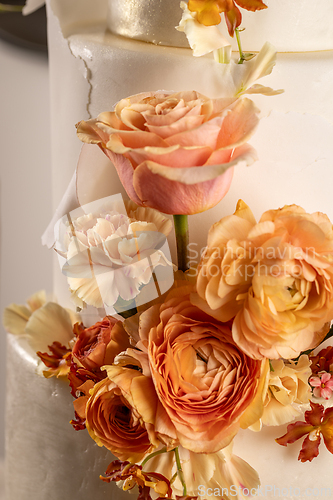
[103, 51]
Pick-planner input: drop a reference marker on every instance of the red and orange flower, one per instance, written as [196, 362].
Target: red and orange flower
[209, 11]
[95, 347]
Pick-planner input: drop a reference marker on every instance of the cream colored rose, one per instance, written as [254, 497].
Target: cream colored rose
[110, 256]
[40, 322]
[288, 391]
[275, 278]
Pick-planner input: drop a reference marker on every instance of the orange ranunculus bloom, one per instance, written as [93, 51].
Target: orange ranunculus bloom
[99, 344]
[113, 418]
[209, 11]
[95, 347]
[184, 143]
[207, 386]
[274, 277]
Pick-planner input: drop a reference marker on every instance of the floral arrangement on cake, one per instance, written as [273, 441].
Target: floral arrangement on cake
[231, 342]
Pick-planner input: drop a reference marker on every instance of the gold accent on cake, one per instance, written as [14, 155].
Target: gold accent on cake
[151, 21]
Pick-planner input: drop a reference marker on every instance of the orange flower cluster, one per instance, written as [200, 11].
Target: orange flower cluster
[209, 11]
[189, 371]
[169, 377]
[184, 382]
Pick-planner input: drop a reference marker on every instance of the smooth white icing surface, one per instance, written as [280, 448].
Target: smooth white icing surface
[45, 457]
[290, 25]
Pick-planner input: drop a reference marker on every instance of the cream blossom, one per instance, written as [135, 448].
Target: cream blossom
[41, 323]
[110, 255]
[275, 278]
[237, 79]
[220, 471]
[202, 39]
[288, 391]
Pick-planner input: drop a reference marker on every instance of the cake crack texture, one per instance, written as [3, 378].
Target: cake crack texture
[91, 69]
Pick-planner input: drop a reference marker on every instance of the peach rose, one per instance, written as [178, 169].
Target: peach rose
[207, 387]
[113, 420]
[184, 143]
[275, 277]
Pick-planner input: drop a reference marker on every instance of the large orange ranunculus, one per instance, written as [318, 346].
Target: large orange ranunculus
[275, 277]
[184, 143]
[206, 385]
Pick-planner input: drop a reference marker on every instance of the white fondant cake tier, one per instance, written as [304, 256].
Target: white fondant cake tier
[45, 457]
[291, 26]
[294, 26]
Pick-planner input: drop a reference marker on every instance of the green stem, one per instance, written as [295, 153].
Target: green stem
[222, 55]
[182, 240]
[180, 471]
[10, 8]
[241, 55]
[174, 477]
[152, 455]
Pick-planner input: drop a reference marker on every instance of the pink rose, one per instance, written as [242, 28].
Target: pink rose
[184, 143]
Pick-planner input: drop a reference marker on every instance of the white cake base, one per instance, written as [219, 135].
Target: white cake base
[46, 459]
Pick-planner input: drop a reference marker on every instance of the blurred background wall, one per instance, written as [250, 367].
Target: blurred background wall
[25, 172]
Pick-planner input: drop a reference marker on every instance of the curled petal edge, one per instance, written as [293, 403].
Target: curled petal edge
[246, 155]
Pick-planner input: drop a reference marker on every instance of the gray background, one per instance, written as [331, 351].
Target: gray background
[25, 184]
